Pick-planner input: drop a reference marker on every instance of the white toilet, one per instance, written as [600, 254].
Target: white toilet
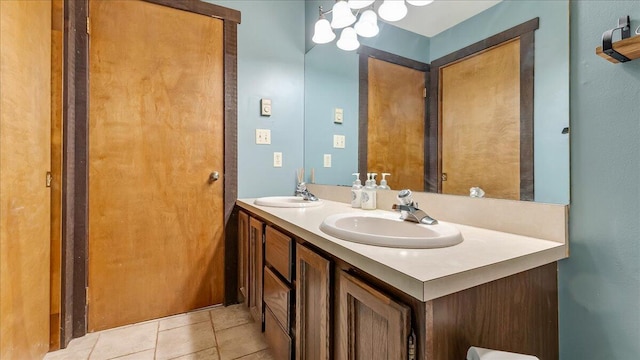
[478, 353]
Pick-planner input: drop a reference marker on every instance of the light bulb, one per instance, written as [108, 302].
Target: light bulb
[392, 10]
[419, 2]
[348, 39]
[367, 26]
[323, 32]
[342, 15]
[360, 4]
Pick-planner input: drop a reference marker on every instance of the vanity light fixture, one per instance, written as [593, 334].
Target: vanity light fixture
[323, 33]
[367, 22]
[393, 10]
[367, 26]
[348, 39]
[419, 2]
[342, 15]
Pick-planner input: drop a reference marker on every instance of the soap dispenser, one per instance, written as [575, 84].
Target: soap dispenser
[356, 192]
[373, 180]
[369, 194]
[383, 183]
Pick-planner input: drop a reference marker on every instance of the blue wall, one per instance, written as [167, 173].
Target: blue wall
[600, 282]
[551, 86]
[270, 65]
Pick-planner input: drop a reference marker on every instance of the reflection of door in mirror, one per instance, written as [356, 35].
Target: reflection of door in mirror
[486, 118]
[394, 121]
[480, 128]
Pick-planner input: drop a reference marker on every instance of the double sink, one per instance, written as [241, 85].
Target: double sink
[375, 228]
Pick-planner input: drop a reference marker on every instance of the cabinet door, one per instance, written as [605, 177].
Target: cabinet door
[256, 260]
[312, 305]
[370, 325]
[243, 257]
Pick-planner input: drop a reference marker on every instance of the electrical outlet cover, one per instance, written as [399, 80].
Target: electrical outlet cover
[263, 136]
[277, 159]
[338, 116]
[327, 160]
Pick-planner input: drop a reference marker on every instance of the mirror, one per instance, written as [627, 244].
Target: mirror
[332, 82]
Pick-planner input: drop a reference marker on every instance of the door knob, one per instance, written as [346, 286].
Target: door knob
[214, 176]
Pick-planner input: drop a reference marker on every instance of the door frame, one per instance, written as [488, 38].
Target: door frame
[433, 159]
[75, 190]
[364, 53]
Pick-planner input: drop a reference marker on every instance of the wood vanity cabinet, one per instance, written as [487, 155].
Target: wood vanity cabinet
[243, 257]
[313, 305]
[291, 289]
[370, 324]
[256, 232]
[318, 307]
[278, 272]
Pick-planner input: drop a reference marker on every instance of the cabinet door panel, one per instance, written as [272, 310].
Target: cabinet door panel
[313, 292]
[255, 268]
[279, 341]
[277, 297]
[279, 252]
[370, 325]
[243, 257]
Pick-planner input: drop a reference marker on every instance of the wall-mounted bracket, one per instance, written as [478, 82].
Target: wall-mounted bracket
[607, 39]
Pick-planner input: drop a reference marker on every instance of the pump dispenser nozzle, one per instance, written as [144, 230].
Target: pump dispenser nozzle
[383, 182]
[357, 181]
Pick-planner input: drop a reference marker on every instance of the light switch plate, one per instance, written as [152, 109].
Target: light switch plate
[327, 160]
[265, 107]
[338, 141]
[338, 116]
[277, 159]
[263, 136]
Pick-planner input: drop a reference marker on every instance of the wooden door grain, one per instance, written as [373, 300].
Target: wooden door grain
[370, 324]
[25, 158]
[480, 117]
[396, 122]
[155, 134]
[313, 301]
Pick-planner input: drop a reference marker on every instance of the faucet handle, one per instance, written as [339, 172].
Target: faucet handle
[405, 197]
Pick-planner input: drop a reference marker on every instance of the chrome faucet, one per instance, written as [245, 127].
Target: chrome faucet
[409, 209]
[302, 191]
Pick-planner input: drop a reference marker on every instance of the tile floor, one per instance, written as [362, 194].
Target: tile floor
[220, 333]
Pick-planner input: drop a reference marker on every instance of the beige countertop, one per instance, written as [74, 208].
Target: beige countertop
[425, 274]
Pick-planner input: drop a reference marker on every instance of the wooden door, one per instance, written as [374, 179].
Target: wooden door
[313, 294]
[243, 257]
[57, 58]
[256, 263]
[371, 325]
[155, 134]
[396, 121]
[25, 158]
[480, 122]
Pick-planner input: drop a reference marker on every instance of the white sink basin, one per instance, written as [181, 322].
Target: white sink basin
[390, 231]
[286, 202]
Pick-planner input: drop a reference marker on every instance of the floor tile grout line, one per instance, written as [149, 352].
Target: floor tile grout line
[183, 355]
[215, 336]
[129, 354]
[253, 353]
[155, 349]
[181, 326]
[94, 346]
